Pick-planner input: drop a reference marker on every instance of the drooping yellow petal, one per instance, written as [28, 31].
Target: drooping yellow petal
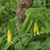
[36, 29]
[9, 36]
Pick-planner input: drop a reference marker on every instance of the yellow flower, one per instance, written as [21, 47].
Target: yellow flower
[9, 37]
[36, 29]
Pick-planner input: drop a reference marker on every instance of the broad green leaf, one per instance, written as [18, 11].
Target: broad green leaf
[34, 10]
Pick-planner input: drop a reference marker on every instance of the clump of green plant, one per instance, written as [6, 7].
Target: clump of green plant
[34, 33]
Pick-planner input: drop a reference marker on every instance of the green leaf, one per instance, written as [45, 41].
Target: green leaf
[1, 46]
[1, 20]
[1, 9]
[1, 38]
[11, 25]
[33, 46]
[34, 10]
[26, 21]
[6, 46]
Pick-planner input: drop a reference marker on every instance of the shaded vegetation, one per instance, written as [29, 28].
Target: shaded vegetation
[24, 37]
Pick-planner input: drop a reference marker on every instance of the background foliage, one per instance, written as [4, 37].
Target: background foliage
[23, 38]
